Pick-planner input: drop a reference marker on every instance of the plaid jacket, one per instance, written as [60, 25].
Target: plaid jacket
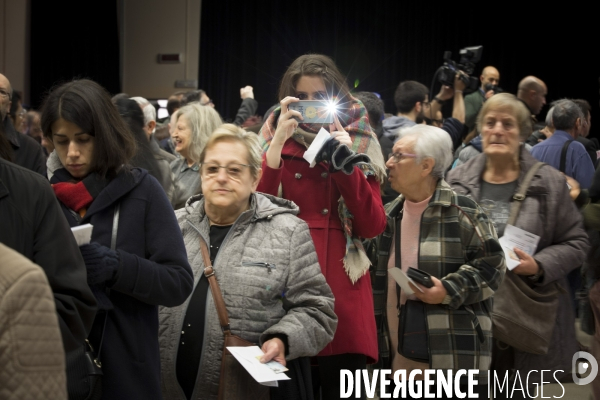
[458, 245]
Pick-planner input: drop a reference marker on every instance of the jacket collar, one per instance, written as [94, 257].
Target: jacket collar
[11, 133]
[262, 206]
[442, 196]
[123, 183]
[469, 175]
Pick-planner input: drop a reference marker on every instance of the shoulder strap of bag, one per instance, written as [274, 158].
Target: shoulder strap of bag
[521, 193]
[563, 155]
[113, 246]
[215, 289]
[398, 260]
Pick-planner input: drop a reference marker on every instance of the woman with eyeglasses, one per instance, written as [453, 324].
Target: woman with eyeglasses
[194, 124]
[340, 205]
[266, 267]
[136, 258]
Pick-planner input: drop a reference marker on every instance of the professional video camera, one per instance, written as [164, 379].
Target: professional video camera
[469, 56]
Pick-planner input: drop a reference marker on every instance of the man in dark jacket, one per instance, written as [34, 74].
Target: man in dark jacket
[33, 225]
[26, 151]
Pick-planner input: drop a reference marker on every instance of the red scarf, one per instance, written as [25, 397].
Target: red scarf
[77, 195]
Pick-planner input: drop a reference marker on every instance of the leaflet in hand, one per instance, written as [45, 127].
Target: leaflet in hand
[82, 233]
[517, 237]
[403, 279]
[311, 153]
[266, 374]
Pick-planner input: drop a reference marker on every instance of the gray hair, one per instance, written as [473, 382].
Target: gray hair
[565, 114]
[233, 133]
[147, 108]
[431, 142]
[203, 122]
[548, 120]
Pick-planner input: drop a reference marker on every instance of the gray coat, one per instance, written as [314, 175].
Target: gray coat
[291, 298]
[548, 212]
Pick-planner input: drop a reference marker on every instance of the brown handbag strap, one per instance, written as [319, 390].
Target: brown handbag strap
[521, 193]
[215, 289]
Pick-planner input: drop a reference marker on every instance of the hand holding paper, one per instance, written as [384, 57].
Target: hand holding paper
[262, 373]
[518, 238]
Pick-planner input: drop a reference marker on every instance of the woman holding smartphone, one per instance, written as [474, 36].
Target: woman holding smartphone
[339, 207]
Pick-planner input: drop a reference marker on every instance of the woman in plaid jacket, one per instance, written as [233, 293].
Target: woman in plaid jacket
[448, 236]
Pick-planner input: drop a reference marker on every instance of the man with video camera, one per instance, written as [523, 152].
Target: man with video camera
[414, 107]
[490, 78]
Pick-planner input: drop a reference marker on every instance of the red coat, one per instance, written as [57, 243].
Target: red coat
[317, 192]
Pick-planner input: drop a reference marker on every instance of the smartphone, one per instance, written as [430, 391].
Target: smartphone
[421, 277]
[314, 111]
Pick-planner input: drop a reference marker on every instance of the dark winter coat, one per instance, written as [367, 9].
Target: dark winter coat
[27, 152]
[31, 223]
[153, 271]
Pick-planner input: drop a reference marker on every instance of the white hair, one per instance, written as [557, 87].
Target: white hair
[147, 108]
[431, 142]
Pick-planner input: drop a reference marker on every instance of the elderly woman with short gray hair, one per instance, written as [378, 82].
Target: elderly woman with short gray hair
[265, 263]
[447, 236]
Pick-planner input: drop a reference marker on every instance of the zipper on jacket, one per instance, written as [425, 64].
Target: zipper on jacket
[270, 267]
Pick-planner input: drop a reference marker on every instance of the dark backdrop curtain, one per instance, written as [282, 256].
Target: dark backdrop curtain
[73, 39]
[379, 44]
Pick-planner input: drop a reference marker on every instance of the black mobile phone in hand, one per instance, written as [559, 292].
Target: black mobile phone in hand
[421, 277]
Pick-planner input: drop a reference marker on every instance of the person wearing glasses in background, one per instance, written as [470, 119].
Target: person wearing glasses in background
[24, 150]
[266, 266]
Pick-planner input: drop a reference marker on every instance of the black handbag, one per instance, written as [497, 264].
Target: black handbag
[413, 342]
[84, 369]
[84, 372]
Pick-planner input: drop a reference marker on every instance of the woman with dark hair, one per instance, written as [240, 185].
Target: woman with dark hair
[133, 115]
[339, 207]
[136, 260]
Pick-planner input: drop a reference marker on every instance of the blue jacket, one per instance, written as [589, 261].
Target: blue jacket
[578, 163]
[153, 271]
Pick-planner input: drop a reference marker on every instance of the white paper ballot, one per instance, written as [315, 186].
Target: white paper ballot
[259, 371]
[517, 237]
[311, 153]
[403, 279]
[83, 234]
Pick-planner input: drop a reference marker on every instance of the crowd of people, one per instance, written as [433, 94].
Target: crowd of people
[305, 254]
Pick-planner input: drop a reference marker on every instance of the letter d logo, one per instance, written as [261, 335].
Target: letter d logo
[580, 367]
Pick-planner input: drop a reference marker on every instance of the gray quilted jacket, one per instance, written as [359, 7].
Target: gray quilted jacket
[288, 297]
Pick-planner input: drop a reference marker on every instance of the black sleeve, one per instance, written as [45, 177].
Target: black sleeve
[247, 109]
[454, 128]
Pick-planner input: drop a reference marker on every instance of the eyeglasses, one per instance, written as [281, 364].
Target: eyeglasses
[4, 93]
[234, 170]
[209, 102]
[396, 157]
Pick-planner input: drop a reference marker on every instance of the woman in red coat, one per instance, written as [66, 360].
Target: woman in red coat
[339, 207]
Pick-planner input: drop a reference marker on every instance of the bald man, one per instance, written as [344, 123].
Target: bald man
[474, 101]
[27, 152]
[532, 92]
